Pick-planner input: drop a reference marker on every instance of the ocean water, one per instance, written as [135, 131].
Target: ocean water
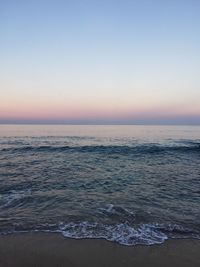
[127, 184]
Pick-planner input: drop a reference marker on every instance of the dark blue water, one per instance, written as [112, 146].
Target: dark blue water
[129, 184]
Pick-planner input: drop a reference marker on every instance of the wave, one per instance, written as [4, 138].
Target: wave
[109, 149]
[13, 196]
[125, 227]
[122, 233]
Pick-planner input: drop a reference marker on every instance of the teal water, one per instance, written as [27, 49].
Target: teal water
[128, 184]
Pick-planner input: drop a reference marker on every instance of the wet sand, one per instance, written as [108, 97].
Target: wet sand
[53, 250]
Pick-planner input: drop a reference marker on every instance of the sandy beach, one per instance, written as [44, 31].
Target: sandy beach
[53, 250]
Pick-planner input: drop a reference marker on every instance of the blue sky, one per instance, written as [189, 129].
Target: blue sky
[100, 61]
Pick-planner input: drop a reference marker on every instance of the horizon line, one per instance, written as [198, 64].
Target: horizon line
[105, 124]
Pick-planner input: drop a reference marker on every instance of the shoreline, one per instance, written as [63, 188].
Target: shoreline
[54, 250]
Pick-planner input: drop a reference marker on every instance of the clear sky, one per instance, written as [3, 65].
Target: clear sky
[100, 61]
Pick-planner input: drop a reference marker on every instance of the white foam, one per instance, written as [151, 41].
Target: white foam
[122, 233]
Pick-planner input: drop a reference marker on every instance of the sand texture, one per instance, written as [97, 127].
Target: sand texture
[53, 250]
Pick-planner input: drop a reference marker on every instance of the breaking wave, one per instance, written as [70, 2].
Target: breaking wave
[122, 233]
[125, 234]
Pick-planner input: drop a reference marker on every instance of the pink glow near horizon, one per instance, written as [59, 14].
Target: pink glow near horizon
[100, 62]
[112, 112]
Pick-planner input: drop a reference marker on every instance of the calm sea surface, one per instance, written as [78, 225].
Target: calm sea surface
[128, 184]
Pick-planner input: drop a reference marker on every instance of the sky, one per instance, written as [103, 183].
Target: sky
[100, 61]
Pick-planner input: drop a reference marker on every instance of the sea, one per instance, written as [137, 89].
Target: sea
[134, 185]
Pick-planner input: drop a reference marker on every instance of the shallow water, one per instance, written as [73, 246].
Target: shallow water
[129, 184]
